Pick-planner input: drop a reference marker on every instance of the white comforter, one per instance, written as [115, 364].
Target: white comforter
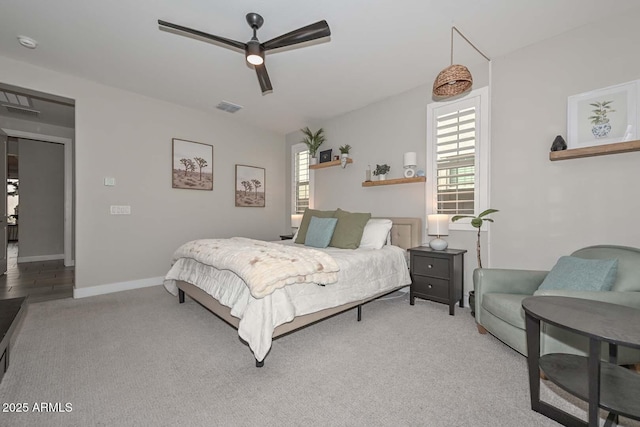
[363, 273]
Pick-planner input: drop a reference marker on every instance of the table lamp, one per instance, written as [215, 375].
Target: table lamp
[296, 220]
[438, 225]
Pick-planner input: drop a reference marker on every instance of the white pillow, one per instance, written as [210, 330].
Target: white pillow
[376, 233]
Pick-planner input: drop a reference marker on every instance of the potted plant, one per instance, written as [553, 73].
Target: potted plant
[382, 171]
[599, 120]
[313, 142]
[476, 222]
[344, 154]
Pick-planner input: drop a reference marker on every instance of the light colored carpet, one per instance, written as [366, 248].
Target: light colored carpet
[139, 358]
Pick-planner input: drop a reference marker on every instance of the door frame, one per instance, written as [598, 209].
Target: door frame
[69, 260]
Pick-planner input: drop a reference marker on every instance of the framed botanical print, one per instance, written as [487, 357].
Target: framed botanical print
[250, 186]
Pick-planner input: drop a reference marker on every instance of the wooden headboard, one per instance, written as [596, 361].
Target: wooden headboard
[406, 232]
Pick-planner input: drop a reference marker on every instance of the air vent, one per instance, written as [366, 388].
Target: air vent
[228, 107]
[21, 110]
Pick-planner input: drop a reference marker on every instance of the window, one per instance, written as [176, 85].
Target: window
[302, 183]
[458, 156]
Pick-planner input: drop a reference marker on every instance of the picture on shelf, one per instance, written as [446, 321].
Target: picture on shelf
[325, 156]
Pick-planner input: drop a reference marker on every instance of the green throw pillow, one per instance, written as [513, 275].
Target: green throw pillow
[306, 218]
[581, 274]
[349, 229]
[320, 231]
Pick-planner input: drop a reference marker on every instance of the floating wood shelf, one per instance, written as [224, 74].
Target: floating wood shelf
[394, 181]
[598, 150]
[329, 164]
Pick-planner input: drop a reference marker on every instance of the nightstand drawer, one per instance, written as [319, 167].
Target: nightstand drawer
[430, 266]
[431, 287]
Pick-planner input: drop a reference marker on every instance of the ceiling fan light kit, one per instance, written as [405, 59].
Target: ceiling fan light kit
[456, 78]
[254, 50]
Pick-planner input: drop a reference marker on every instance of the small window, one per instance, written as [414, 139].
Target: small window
[457, 147]
[301, 187]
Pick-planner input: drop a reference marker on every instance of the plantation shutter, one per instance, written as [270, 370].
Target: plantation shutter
[455, 158]
[301, 181]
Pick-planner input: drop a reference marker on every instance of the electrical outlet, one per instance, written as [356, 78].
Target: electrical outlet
[109, 181]
[120, 210]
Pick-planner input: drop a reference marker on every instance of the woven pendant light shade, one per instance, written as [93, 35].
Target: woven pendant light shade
[456, 78]
[453, 80]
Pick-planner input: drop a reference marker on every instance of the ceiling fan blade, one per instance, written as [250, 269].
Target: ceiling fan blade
[263, 78]
[310, 32]
[224, 41]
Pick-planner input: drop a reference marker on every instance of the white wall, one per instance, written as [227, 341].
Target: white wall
[128, 136]
[41, 208]
[549, 209]
[382, 133]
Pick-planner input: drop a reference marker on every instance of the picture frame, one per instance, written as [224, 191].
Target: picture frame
[325, 156]
[250, 186]
[192, 165]
[603, 116]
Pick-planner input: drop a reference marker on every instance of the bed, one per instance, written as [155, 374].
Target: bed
[365, 274]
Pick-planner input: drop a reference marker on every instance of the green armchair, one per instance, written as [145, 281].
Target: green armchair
[499, 294]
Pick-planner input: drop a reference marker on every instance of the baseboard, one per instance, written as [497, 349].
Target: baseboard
[40, 258]
[116, 287]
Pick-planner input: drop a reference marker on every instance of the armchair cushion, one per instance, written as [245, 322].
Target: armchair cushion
[507, 307]
[581, 274]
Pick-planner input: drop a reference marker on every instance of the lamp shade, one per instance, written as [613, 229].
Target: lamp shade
[453, 80]
[438, 225]
[410, 159]
[296, 220]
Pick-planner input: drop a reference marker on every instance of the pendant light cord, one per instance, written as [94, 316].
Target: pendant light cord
[467, 40]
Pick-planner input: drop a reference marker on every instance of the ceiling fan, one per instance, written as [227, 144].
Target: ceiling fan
[253, 49]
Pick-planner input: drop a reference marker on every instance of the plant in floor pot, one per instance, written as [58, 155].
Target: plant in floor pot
[313, 141]
[382, 171]
[476, 222]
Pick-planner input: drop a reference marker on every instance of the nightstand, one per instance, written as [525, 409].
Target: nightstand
[286, 236]
[437, 275]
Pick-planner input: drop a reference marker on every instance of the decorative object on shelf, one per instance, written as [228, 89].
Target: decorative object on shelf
[455, 79]
[438, 225]
[410, 162]
[325, 156]
[296, 220]
[477, 221]
[420, 172]
[603, 116]
[336, 157]
[558, 144]
[367, 174]
[250, 186]
[192, 165]
[382, 171]
[313, 141]
[344, 154]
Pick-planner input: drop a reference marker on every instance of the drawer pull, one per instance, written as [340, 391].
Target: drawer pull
[429, 286]
[430, 266]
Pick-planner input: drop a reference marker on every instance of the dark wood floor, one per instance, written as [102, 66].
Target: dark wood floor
[38, 281]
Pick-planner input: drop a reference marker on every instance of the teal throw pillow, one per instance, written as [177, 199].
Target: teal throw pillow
[579, 274]
[320, 231]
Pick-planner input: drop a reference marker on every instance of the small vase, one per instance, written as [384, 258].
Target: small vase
[343, 159]
[313, 161]
[601, 130]
[382, 177]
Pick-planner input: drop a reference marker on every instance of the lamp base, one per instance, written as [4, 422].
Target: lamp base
[438, 244]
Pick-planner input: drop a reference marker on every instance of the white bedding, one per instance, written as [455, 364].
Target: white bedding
[363, 273]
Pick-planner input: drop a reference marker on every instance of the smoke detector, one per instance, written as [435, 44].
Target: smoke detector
[27, 42]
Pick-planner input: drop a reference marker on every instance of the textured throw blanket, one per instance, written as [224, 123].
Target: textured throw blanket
[263, 266]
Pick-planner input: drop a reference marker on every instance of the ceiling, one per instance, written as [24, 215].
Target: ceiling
[377, 48]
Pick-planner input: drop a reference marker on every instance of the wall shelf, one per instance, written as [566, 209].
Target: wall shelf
[598, 150]
[394, 181]
[329, 164]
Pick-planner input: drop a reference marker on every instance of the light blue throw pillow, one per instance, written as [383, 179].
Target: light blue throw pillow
[320, 231]
[581, 274]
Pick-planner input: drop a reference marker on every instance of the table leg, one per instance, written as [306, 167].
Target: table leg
[594, 381]
[533, 360]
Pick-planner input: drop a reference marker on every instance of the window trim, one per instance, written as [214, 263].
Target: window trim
[482, 155]
[297, 148]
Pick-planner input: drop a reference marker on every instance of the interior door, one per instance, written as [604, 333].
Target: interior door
[3, 203]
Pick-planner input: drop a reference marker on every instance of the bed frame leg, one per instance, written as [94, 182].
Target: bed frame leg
[180, 296]
[259, 364]
[359, 312]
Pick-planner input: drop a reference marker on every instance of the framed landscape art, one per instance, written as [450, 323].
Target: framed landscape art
[250, 186]
[192, 165]
[603, 116]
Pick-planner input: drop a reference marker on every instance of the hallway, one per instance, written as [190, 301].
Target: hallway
[40, 281]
